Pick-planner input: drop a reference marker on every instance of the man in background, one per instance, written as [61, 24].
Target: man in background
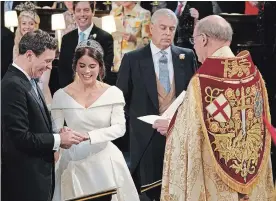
[83, 11]
[151, 78]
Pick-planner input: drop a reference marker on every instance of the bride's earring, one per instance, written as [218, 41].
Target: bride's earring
[76, 77]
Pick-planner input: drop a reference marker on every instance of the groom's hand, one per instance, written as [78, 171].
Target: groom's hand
[64, 129]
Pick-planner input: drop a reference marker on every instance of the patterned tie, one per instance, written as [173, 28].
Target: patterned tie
[81, 37]
[164, 76]
[33, 83]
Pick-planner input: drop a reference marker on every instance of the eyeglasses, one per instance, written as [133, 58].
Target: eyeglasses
[192, 39]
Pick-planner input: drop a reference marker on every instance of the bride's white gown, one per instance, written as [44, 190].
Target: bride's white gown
[95, 165]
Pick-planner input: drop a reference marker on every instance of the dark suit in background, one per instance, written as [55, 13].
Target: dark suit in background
[68, 45]
[137, 80]
[185, 26]
[7, 43]
[28, 141]
[232, 6]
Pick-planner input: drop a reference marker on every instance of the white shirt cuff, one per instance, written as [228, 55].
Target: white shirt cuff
[57, 142]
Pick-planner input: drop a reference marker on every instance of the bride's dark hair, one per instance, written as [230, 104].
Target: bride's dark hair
[93, 53]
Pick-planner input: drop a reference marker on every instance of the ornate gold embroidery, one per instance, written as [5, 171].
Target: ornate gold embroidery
[204, 194]
[220, 185]
[238, 140]
[225, 198]
[211, 94]
[236, 67]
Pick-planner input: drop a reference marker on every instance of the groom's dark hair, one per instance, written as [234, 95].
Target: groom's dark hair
[91, 3]
[37, 41]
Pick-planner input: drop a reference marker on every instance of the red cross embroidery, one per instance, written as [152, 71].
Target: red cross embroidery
[220, 109]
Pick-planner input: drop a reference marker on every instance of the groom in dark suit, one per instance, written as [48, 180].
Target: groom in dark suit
[28, 142]
[151, 78]
[83, 11]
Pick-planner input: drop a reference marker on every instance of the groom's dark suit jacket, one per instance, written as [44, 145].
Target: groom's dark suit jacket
[27, 141]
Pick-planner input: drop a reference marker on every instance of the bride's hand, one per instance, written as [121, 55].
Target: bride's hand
[84, 136]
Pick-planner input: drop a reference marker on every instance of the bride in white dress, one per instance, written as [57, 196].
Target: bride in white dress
[95, 109]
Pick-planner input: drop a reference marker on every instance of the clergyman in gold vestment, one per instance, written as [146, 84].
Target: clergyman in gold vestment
[218, 148]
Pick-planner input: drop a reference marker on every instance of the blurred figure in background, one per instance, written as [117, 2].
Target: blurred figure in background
[115, 4]
[231, 6]
[28, 20]
[251, 8]
[70, 22]
[7, 43]
[10, 5]
[47, 4]
[188, 13]
[83, 13]
[136, 22]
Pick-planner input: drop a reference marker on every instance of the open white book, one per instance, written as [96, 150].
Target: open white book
[168, 114]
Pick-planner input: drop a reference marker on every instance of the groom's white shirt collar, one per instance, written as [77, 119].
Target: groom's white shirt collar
[19, 68]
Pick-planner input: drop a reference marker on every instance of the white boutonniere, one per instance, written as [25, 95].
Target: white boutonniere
[94, 36]
[182, 56]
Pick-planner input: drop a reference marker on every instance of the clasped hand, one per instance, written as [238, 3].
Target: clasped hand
[68, 137]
